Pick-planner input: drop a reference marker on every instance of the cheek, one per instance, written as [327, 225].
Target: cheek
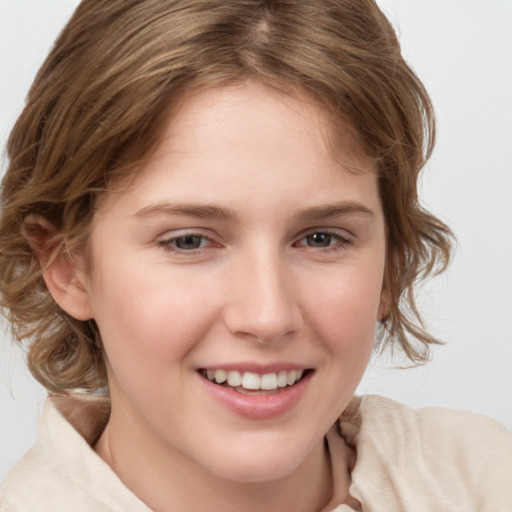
[345, 308]
[148, 321]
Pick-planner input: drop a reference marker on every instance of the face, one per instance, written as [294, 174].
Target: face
[243, 251]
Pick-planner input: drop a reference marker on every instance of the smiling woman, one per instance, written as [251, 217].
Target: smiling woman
[207, 215]
[240, 294]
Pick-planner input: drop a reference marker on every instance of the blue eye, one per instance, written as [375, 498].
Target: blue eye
[320, 239]
[189, 242]
[185, 243]
[323, 240]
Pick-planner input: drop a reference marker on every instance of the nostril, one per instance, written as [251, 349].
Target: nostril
[264, 309]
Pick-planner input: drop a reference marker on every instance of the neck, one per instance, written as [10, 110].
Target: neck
[170, 482]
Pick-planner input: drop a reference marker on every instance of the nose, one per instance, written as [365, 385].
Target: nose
[262, 304]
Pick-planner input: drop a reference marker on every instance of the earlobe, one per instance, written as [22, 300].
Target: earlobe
[66, 284]
[384, 306]
[63, 275]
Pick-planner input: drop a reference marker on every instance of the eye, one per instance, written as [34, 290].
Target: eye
[323, 240]
[319, 239]
[188, 242]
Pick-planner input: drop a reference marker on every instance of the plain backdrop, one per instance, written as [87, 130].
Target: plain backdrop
[462, 50]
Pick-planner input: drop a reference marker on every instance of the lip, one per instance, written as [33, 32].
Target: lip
[258, 406]
[260, 369]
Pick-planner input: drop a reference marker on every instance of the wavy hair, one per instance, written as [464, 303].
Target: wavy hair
[96, 111]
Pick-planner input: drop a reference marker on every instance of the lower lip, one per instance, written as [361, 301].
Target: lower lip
[258, 406]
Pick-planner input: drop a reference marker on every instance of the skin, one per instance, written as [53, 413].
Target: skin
[287, 268]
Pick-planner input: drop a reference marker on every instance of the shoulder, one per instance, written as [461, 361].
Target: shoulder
[456, 457]
[33, 485]
[400, 420]
[440, 428]
[61, 471]
[43, 480]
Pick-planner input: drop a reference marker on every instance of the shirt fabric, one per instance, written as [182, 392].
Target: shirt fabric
[431, 459]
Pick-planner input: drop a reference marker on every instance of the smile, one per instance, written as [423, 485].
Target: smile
[257, 393]
[251, 381]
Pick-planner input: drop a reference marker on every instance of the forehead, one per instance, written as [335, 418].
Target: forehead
[256, 103]
[256, 133]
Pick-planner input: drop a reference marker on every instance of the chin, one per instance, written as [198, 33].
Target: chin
[258, 465]
[248, 472]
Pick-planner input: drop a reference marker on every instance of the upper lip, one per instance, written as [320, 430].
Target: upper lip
[260, 369]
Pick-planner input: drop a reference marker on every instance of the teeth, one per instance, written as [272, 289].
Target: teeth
[253, 381]
[282, 379]
[220, 376]
[269, 381]
[250, 380]
[234, 379]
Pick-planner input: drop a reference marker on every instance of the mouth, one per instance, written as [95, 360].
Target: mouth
[254, 383]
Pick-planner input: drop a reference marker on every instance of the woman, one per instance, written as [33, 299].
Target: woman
[206, 214]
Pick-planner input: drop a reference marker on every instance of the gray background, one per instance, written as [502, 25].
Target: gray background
[462, 50]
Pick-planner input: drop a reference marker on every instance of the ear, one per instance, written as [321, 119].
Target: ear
[385, 305]
[64, 275]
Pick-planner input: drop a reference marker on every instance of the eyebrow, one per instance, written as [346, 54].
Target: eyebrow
[186, 210]
[216, 212]
[334, 210]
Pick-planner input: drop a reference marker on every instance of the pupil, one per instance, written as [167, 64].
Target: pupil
[188, 242]
[319, 239]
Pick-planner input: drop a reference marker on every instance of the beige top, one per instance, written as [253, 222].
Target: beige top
[430, 459]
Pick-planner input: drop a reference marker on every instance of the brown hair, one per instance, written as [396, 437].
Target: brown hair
[96, 111]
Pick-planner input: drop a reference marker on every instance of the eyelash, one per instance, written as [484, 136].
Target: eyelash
[171, 244]
[340, 242]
